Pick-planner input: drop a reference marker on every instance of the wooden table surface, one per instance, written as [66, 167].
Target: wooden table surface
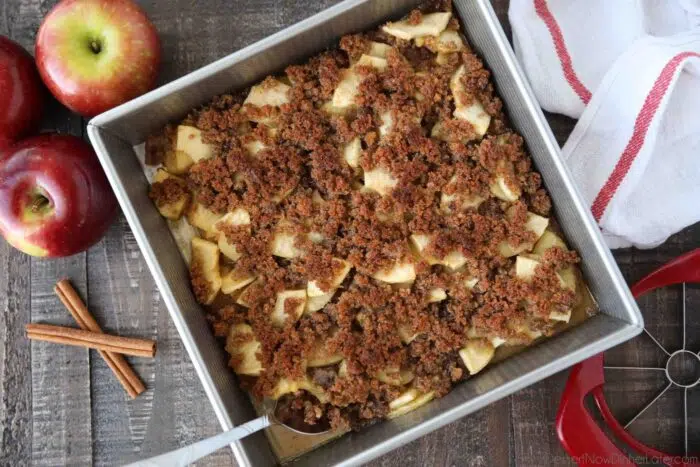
[62, 406]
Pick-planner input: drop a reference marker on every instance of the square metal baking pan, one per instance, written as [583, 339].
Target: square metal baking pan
[115, 133]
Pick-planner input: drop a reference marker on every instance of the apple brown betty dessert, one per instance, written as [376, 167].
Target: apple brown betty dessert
[369, 228]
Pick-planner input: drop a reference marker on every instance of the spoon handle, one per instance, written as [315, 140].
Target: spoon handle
[185, 456]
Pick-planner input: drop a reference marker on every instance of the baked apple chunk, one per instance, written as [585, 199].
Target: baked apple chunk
[431, 24]
[205, 266]
[176, 197]
[243, 347]
[189, 141]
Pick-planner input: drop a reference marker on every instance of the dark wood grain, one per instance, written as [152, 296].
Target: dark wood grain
[123, 300]
[61, 406]
[15, 306]
[15, 357]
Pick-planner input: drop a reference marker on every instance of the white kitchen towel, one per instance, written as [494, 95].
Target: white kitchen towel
[629, 70]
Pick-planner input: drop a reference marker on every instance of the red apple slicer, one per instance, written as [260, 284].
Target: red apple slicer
[587, 441]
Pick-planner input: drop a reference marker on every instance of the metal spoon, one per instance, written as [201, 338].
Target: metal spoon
[188, 454]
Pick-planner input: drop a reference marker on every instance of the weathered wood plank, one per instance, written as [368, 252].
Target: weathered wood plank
[533, 413]
[15, 358]
[478, 440]
[15, 312]
[195, 33]
[124, 301]
[62, 433]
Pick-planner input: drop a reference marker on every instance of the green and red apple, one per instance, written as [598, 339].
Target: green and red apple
[54, 198]
[96, 54]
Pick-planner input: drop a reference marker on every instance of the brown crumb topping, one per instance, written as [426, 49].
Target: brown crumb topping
[168, 191]
[200, 285]
[158, 144]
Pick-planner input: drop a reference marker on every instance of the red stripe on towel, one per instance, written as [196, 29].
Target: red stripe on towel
[567, 67]
[641, 126]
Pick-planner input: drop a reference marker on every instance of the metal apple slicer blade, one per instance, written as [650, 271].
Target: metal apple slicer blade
[646, 408]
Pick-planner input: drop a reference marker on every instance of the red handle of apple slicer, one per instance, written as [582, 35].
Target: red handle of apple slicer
[578, 432]
[685, 268]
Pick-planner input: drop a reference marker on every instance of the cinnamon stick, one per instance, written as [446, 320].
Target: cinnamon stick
[116, 362]
[93, 340]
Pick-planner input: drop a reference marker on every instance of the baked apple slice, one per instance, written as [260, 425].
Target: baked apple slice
[203, 218]
[347, 89]
[271, 92]
[526, 267]
[476, 354]
[408, 401]
[533, 223]
[177, 162]
[234, 280]
[503, 185]
[380, 180]
[395, 376]
[243, 347]
[289, 386]
[174, 209]
[447, 43]
[205, 262]
[453, 260]
[239, 217]
[320, 356]
[563, 316]
[254, 147]
[471, 282]
[548, 240]
[431, 24]
[379, 49]
[524, 331]
[283, 243]
[189, 141]
[462, 201]
[352, 152]
[399, 273]
[469, 110]
[318, 302]
[289, 305]
[341, 269]
[567, 278]
[406, 335]
[437, 294]
[246, 296]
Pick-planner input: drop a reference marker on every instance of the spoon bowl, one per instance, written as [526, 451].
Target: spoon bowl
[281, 414]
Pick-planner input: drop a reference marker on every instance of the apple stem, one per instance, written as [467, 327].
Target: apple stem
[95, 46]
[40, 204]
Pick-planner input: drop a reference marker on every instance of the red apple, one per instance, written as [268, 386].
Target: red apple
[96, 54]
[5, 142]
[21, 93]
[54, 198]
